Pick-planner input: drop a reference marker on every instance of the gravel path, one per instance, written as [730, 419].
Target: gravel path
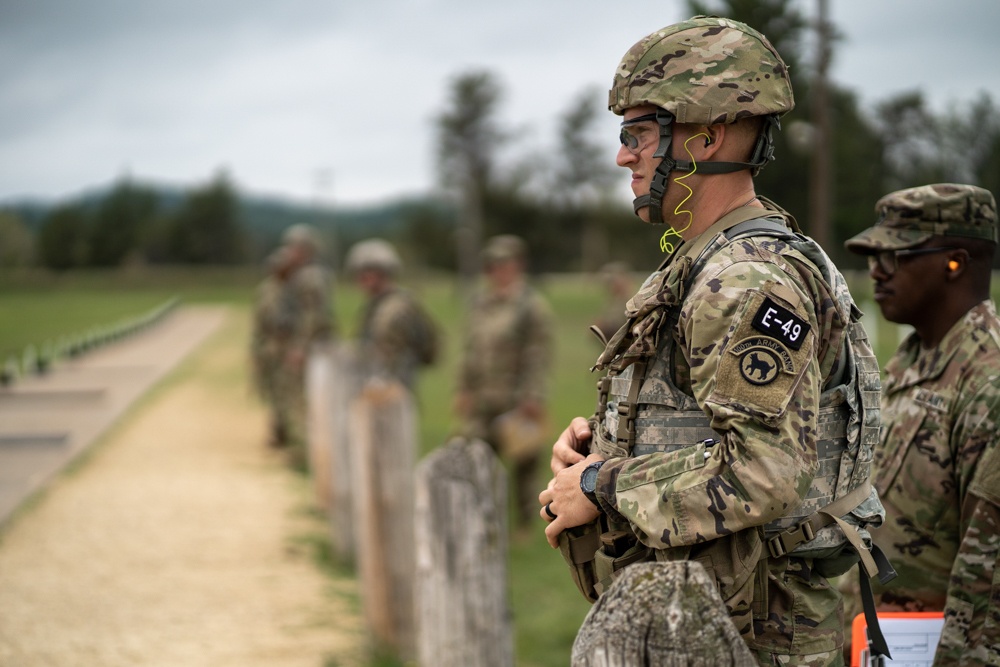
[178, 541]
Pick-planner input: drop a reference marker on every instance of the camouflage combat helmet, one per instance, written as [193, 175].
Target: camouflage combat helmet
[374, 254]
[504, 247]
[706, 71]
[907, 218]
[302, 234]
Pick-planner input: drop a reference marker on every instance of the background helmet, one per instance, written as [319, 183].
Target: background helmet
[504, 247]
[705, 71]
[304, 235]
[374, 254]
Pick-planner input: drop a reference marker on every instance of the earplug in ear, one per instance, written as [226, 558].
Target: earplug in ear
[708, 141]
[952, 265]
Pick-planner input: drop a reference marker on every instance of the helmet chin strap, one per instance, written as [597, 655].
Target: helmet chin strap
[763, 152]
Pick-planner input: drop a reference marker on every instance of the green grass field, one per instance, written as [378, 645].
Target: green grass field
[547, 610]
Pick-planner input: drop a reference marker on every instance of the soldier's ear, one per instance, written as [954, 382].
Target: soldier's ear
[957, 262]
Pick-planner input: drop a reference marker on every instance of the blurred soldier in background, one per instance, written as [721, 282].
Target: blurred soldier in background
[743, 379]
[308, 299]
[271, 333]
[618, 287]
[507, 356]
[397, 336]
[938, 467]
[310, 283]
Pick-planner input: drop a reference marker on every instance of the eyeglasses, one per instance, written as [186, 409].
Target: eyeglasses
[637, 137]
[888, 260]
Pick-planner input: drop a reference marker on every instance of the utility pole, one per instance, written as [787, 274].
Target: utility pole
[819, 181]
[324, 185]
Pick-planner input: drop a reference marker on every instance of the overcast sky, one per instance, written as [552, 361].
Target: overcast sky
[335, 100]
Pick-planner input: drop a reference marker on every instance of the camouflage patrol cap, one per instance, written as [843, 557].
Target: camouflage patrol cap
[705, 70]
[374, 254]
[504, 247]
[907, 218]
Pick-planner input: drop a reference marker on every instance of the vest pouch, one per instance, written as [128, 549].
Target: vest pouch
[835, 561]
[734, 562]
[578, 546]
[619, 549]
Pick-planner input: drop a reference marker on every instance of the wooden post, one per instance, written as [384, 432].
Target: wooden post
[319, 413]
[667, 614]
[383, 438]
[345, 384]
[461, 571]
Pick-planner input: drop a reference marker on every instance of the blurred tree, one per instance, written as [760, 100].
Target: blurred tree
[469, 137]
[207, 228]
[786, 179]
[120, 223]
[779, 20]
[858, 175]
[62, 239]
[429, 230]
[16, 242]
[583, 175]
[912, 141]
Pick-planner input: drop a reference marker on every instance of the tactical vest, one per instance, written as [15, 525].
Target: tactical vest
[641, 411]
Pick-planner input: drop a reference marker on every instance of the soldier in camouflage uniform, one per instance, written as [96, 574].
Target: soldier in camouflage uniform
[396, 335]
[937, 469]
[741, 396]
[506, 362]
[271, 330]
[312, 321]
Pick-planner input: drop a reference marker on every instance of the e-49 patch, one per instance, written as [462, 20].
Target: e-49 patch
[781, 324]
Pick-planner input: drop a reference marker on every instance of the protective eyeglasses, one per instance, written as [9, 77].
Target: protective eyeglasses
[888, 260]
[637, 135]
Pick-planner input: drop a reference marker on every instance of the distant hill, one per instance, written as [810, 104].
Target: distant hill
[264, 218]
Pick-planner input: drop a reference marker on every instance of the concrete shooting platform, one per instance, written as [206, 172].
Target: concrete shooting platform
[47, 420]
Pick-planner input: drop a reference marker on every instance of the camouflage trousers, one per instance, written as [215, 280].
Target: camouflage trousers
[283, 390]
[523, 470]
[802, 620]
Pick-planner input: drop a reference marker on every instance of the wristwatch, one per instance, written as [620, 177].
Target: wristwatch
[588, 482]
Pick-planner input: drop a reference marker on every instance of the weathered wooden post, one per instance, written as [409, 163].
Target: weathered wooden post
[319, 415]
[383, 440]
[345, 384]
[463, 617]
[667, 614]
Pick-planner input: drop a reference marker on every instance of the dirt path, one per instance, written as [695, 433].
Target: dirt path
[178, 541]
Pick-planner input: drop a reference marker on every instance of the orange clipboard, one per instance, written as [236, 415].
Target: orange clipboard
[912, 637]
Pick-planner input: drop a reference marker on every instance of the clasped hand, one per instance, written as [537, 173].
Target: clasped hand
[563, 495]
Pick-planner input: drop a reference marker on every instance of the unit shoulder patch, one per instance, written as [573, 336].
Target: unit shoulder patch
[780, 323]
[762, 359]
[770, 348]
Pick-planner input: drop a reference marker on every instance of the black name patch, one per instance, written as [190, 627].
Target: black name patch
[781, 324]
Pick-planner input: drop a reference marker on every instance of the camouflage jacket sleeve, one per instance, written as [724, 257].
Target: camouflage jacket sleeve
[749, 333]
[971, 635]
[392, 330]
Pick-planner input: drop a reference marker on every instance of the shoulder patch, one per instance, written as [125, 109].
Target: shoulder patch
[760, 368]
[780, 323]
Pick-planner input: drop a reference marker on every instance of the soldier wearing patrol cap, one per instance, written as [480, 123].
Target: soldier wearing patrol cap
[736, 421]
[503, 376]
[938, 469]
[397, 336]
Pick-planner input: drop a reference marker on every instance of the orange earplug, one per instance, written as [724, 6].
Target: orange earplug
[952, 265]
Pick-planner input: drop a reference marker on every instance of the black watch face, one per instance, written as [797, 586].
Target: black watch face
[590, 480]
